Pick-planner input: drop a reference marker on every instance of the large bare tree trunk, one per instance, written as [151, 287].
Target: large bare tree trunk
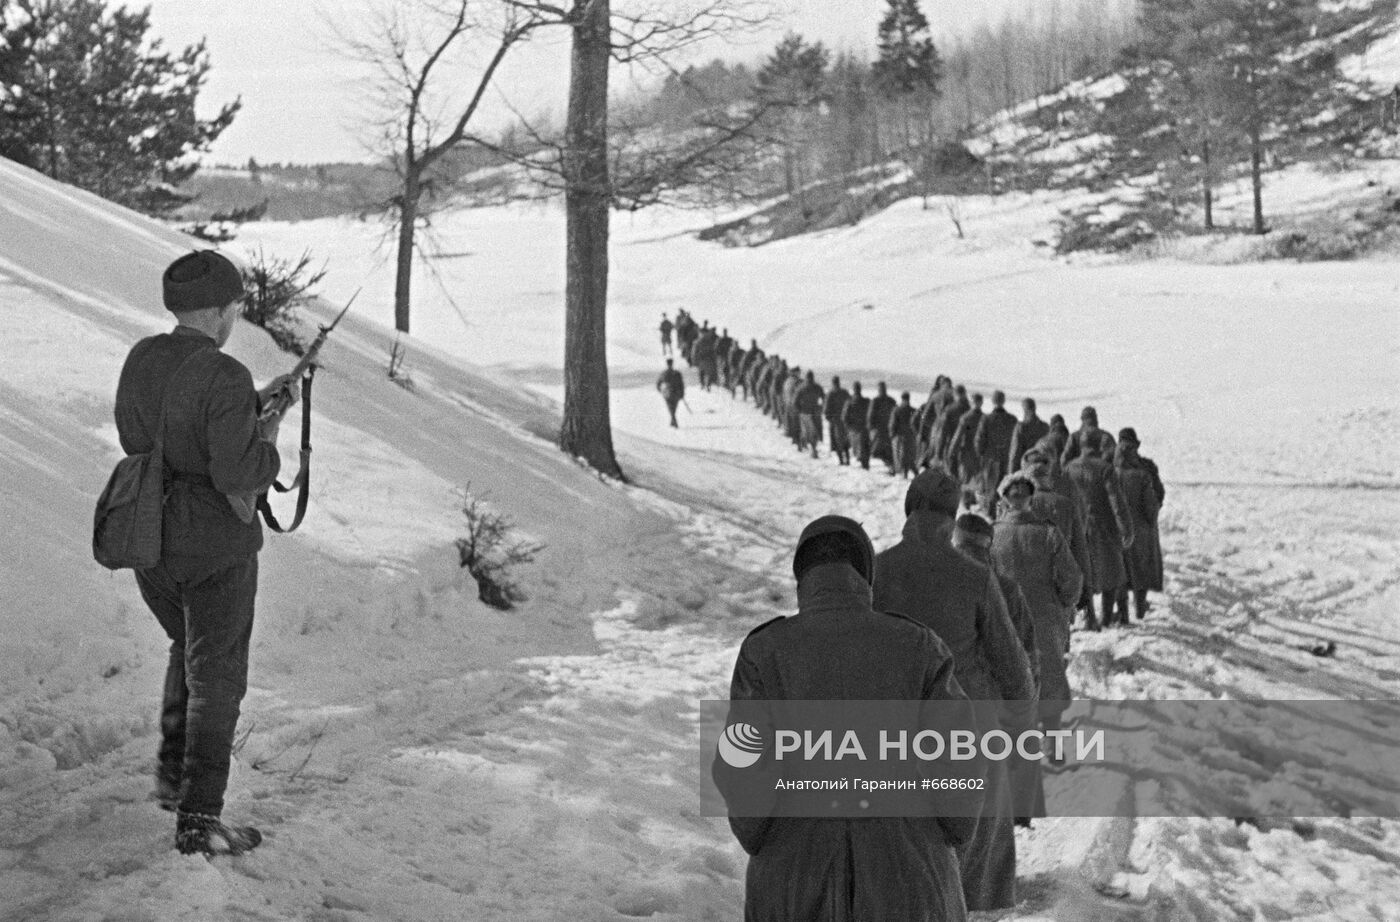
[403, 273]
[587, 428]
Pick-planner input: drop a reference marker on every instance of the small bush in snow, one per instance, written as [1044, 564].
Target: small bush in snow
[490, 553]
[276, 288]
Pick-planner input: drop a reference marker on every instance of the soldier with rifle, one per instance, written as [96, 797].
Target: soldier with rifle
[217, 443]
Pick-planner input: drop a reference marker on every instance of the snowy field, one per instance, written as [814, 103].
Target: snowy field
[413, 755]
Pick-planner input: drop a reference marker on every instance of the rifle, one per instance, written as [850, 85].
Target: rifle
[281, 400]
[247, 505]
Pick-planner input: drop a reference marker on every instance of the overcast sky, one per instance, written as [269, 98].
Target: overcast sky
[302, 103]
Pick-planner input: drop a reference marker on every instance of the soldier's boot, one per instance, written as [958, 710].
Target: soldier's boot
[205, 834]
[1108, 616]
[1091, 621]
[1116, 604]
[1140, 604]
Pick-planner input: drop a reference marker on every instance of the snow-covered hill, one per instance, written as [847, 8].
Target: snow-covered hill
[414, 755]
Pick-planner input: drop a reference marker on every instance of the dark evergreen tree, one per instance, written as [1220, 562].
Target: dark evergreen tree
[907, 70]
[1238, 68]
[89, 99]
[793, 80]
[908, 62]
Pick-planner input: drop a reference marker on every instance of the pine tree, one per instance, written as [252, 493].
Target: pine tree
[908, 62]
[907, 70]
[1243, 67]
[89, 99]
[794, 80]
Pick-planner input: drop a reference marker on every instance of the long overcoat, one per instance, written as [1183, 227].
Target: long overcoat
[926, 578]
[1061, 511]
[1107, 523]
[945, 426]
[1023, 437]
[877, 422]
[834, 411]
[962, 459]
[847, 870]
[902, 439]
[1143, 560]
[1032, 552]
[993, 442]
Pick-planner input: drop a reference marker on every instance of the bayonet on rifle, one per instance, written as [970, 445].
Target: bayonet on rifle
[245, 505]
[280, 401]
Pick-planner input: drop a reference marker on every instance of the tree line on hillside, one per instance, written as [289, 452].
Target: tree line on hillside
[837, 112]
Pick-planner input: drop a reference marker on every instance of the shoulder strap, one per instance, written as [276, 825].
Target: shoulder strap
[158, 437]
[302, 480]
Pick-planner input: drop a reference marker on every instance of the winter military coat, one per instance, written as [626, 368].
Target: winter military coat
[775, 390]
[902, 438]
[1033, 553]
[946, 426]
[926, 578]
[792, 420]
[1075, 446]
[856, 411]
[211, 442]
[1023, 437]
[834, 407]
[1062, 512]
[1143, 561]
[838, 646]
[944, 399]
[993, 439]
[809, 398]
[671, 384]
[987, 862]
[1108, 522]
[927, 416]
[834, 411]
[705, 354]
[877, 422]
[962, 458]
[1157, 486]
[1060, 482]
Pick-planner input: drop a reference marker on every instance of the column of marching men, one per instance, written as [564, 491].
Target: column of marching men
[1064, 521]
[1115, 491]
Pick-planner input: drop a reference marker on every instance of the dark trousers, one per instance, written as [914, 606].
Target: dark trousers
[860, 444]
[205, 605]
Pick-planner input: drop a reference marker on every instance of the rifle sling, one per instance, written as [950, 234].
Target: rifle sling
[302, 481]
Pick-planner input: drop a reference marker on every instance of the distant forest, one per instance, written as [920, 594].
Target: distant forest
[840, 111]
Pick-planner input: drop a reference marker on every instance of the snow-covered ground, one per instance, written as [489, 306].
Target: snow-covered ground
[413, 754]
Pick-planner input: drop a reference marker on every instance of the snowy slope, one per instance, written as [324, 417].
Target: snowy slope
[367, 633]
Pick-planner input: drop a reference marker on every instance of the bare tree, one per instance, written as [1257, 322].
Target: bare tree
[597, 174]
[422, 111]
